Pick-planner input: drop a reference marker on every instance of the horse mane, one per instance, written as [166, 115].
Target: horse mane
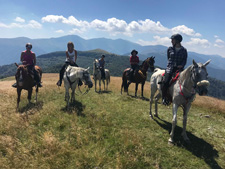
[185, 73]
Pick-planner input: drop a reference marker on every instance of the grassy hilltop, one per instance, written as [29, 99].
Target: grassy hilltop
[106, 130]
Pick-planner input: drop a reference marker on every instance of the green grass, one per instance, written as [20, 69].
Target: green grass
[106, 130]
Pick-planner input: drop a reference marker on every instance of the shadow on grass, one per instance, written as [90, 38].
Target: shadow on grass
[77, 107]
[139, 97]
[198, 147]
[31, 108]
[103, 92]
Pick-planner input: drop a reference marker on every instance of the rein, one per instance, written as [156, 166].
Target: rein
[192, 92]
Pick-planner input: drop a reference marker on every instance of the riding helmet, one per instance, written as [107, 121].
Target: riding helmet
[177, 37]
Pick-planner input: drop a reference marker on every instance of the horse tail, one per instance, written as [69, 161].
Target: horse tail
[124, 82]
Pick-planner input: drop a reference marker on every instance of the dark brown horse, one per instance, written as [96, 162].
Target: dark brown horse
[139, 77]
[25, 80]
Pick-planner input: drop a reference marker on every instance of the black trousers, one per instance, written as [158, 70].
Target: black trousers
[102, 72]
[61, 73]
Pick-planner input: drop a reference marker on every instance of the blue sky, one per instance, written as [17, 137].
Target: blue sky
[147, 22]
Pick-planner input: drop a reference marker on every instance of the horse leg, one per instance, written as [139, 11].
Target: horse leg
[18, 97]
[107, 82]
[153, 91]
[36, 94]
[95, 84]
[174, 122]
[185, 113]
[157, 97]
[67, 97]
[103, 84]
[29, 94]
[73, 94]
[142, 89]
[99, 85]
[136, 88]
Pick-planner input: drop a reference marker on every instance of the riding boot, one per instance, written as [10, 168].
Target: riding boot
[59, 83]
[165, 100]
[14, 85]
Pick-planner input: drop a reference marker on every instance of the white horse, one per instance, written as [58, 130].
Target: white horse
[71, 78]
[97, 75]
[193, 79]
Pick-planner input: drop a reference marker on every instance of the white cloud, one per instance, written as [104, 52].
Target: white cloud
[182, 29]
[219, 45]
[59, 31]
[34, 24]
[157, 41]
[19, 19]
[199, 42]
[76, 31]
[219, 41]
[31, 24]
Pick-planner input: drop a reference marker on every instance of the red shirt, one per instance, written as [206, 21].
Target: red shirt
[134, 59]
[28, 57]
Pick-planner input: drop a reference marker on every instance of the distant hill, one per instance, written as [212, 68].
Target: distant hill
[52, 63]
[10, 49]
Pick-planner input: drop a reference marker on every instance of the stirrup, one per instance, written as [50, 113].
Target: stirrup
[14, 85]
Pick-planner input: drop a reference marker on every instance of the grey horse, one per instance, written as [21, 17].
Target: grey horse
[71, 78]
[193, 79]
[97, 76]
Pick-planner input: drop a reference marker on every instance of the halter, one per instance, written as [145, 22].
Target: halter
[194, 86]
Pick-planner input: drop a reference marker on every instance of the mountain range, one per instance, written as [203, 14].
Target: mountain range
[11, 47]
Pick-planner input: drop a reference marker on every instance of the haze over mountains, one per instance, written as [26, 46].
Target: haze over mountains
[11, 47]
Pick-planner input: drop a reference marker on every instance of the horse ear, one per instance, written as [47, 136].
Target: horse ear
[88, 68]
[206, 63]
[194, 63]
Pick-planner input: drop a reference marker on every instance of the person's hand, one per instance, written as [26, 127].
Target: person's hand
[24, 62]
[179, 67]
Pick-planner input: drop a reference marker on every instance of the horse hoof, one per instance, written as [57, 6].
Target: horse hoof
[170, 141]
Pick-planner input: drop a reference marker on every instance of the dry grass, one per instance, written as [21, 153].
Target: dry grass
[106, 130]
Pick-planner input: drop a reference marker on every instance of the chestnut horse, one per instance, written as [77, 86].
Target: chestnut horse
[25, 80]
[139, 77]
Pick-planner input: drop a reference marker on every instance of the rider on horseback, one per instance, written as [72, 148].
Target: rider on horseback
[134, 60]
[71, 57]
[28, 58]
[177, 58]
[101, 66]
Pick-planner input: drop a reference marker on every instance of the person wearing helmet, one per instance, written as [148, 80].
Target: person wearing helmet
[71, 58]
[134, 61]
[102, 66]
[29, 58]
[177, 59]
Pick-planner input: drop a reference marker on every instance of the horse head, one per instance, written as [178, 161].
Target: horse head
[149, 62]
[86, 77]
[200, 77]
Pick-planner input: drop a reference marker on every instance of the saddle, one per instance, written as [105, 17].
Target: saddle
[132, 78]
[174, 78]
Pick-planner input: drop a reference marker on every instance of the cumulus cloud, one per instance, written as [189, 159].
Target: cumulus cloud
[199, 42]
[157, 41]
[31, 24]
[19, 19]
[182, 29]
[219, 43]
[71, 20]
[59, 31]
